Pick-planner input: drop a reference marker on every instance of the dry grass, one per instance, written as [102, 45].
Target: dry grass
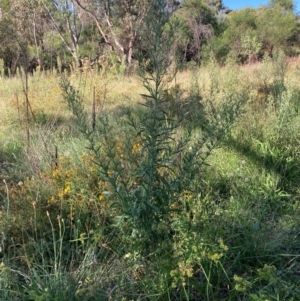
[112, 91]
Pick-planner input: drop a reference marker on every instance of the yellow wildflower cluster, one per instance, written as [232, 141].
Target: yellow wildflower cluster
[52, 200]
[62, 177]
[267, 273]
[56, 173]
[216, 255]
[101, 197]
[65, 169]
[63, 192]
[136, 148]
[241, 284]
[76, 186]
[120, 151]
[222, 245]
[87, 161]
[185, 269]
[181, 273]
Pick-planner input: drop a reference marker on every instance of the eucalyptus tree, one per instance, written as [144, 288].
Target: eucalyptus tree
[276, 25]
[8, 47]
[286, 4]
[67, 19]
[215, 5]
[18, 29]
[119, 23]
[196, 22]
[241, 36]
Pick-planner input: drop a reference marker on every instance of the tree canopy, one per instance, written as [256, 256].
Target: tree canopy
[70, 30]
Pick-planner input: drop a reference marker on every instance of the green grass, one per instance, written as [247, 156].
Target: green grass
[232, 232]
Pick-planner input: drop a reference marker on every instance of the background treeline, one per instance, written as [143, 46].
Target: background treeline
[67, 34]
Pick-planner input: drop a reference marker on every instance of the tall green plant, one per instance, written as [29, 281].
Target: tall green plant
[153, 159]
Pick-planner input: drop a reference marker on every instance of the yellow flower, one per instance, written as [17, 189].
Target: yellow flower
[101, 197]
[52, 201]
[92, 168]
[136, 148]
[241, 284]
[67, 189]
[56, 173]
[222, 245]
[215, 256]
[60, 193]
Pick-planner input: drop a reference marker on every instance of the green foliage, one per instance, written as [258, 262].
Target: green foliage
[243, 19]
[239, 37]
[274, 27]
[286, 4]
[2, 70]
[250, 44]
[195, 22]
[158, 159]
[52, 42]
[254, 31]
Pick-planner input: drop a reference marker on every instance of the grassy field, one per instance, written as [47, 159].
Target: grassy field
[119, 188]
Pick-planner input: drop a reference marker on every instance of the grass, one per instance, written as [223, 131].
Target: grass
[232, 233]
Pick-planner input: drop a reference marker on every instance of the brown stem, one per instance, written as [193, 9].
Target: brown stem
[94, 111]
